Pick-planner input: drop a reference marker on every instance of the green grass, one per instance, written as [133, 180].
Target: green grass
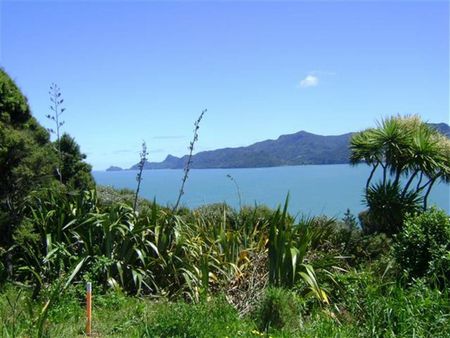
[117, 315]
[365, 307]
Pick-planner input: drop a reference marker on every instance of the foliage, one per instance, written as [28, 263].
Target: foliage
[403, 148]
[358, 248]
[423, 247]
[278, 309]
[377, 307]
[285, 254]
[207, 251]
[75, 173]
[214, 318]
[288, 246]
[365, 305]
[350, 220]
[188, 256]
[26, 157]
[20, 309]
[66, 227]
[13, 105]
[151, 251]
[108, 196]
[388, 207]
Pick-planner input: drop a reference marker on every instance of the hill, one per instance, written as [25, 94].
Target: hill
[292, 149]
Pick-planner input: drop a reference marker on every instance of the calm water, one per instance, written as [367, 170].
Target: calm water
[314, 190]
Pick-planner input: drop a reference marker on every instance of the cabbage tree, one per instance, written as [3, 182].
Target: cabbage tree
[411, 155]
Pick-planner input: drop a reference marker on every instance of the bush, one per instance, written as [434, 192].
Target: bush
[418, 311]
[423, 246]
[344, 244]
[216, 213]
[388, 207]
[278, 309]
[367, 305]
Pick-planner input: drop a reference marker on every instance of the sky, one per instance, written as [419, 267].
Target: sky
[144, 70]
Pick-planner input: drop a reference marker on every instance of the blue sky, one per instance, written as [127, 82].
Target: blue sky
[133, 71]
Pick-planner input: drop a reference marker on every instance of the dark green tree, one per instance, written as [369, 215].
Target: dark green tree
[26, 158]
[75, 173]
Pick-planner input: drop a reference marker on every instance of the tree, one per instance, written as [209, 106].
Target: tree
[75, 173]
[26, 158]
[411, 155]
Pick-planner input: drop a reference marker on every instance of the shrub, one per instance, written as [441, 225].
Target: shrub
[216, 213]
[359, 248]
[388, 207]
[423, 246]
[370, 306]
[418, 311]
[279, 308]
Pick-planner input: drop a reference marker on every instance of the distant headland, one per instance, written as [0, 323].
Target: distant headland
[300, 148]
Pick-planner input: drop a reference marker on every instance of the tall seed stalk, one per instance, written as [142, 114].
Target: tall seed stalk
[143, 155]
[238, 191]
[187, 167]
[57, 111]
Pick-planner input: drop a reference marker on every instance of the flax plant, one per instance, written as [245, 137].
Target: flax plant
[288, 246]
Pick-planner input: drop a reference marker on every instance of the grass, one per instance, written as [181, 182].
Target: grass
[364, 308]
[118, 315]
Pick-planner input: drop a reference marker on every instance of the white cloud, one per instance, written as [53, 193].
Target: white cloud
[309, 81]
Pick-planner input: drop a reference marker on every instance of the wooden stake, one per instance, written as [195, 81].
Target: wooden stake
[88, 308]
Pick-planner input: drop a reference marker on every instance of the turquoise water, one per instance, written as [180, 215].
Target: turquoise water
[314, 189]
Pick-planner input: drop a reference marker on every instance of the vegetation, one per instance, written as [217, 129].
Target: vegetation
[412, 157]
[75, 173]
[26, 156]
[423, 247]
[57, 111]
[188, 164]
[143, 155]
[215, 271]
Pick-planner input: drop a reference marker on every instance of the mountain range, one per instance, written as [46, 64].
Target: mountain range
[293, 149]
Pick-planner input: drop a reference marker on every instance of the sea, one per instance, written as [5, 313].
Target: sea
[313, 189]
